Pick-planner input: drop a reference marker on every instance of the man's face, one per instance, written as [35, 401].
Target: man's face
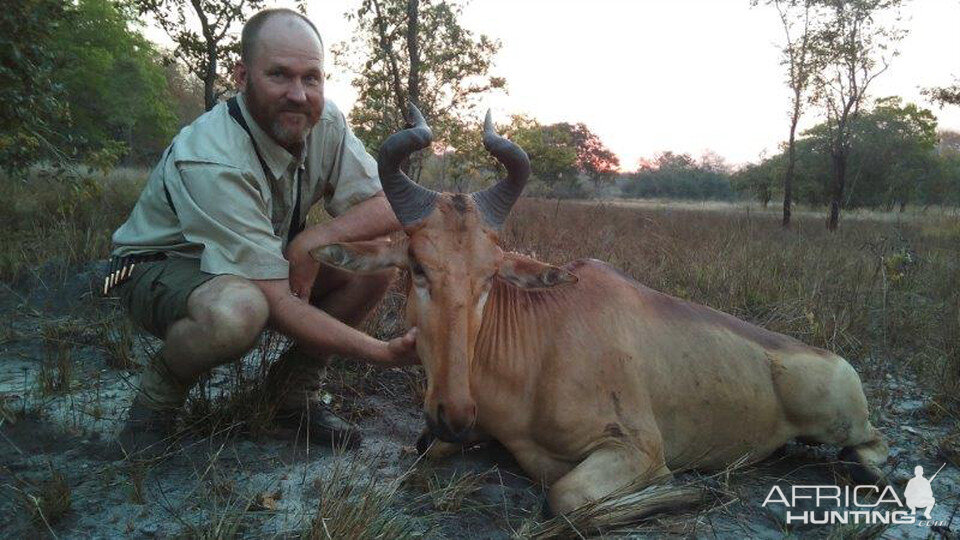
[283, 82]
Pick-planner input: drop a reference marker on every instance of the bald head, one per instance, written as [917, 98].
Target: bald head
[269, 24]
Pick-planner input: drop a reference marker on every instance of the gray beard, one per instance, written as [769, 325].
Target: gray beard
[287, 137]
[282, 136]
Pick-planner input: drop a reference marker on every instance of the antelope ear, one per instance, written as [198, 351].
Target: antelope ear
[528, 273]
[363, 257]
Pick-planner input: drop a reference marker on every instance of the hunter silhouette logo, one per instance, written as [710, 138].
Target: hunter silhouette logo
[867, 504]
[919, 494]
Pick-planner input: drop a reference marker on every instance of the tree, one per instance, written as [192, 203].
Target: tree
[32, 105]
[894, 146]
[552, 151]
[944, 95]
[944, 189]
[855, 47]
[594, 159]
[799, 20]
[205, 32]
[670, 161]
[416, 50]
[80, 84]
[186, 91]
[114, 82]
[679, 176]
[757, 180]
[893, 160]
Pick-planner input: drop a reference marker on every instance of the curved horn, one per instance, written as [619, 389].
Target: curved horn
[495, 202]
[410, 202]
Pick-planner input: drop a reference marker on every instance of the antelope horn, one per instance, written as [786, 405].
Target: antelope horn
[495, 202]
[410, 202]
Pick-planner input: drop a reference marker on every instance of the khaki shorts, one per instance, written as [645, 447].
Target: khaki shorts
[156, 294]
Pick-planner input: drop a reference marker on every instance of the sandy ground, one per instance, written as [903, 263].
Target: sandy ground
[274, 484]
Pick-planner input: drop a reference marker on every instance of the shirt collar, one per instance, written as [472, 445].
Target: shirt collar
[275, 156]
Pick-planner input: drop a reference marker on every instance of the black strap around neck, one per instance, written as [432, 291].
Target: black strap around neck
[295, 225]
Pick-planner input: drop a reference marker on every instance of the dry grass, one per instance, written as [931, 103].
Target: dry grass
[354, 504]
[884, 295]
[116, 338]
[48, 219]
[240, 401]
[56, 374]
[45, 501]
[444, 492]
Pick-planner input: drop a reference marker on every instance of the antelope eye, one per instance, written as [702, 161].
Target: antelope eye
[417, 269]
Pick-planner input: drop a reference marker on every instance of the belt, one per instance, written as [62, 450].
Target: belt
[120, 269]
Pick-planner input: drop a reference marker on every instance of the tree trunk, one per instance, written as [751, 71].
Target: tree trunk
[388, 52]
[210, 79]
[839, 179]
[413, 78]
[413, 30]
[210, 74]
[788, 177]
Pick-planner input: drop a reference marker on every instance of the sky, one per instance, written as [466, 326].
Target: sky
[655, 75]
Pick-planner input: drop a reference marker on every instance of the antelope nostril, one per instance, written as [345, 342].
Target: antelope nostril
[442, 418]
[452, 425]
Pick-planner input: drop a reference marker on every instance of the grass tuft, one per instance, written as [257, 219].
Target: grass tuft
[355, 504]
[115, 337]
[47, 502]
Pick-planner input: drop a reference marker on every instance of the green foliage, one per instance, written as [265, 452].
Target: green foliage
[944, 95]
[417, 50]
[757, 180]
[115, 86]
[893, 160]
[82, 84]
[679, 176]
[552, 151]
[32, 106]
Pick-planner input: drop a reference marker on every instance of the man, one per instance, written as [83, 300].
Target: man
[208, 256]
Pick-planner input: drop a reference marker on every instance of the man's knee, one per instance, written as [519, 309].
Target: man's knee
[234, 311]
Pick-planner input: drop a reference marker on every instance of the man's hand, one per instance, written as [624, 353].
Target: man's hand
[401, 351]
[303, 269]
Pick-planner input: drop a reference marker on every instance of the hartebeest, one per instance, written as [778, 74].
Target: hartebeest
[589, 378]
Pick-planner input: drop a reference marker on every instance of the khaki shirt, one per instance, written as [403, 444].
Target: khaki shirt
[229, 212]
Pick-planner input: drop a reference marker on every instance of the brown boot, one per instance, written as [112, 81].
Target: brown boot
[150, 427]
[321, 425]
[148, 433]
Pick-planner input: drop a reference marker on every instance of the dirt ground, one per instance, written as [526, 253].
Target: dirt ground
[58, 479]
